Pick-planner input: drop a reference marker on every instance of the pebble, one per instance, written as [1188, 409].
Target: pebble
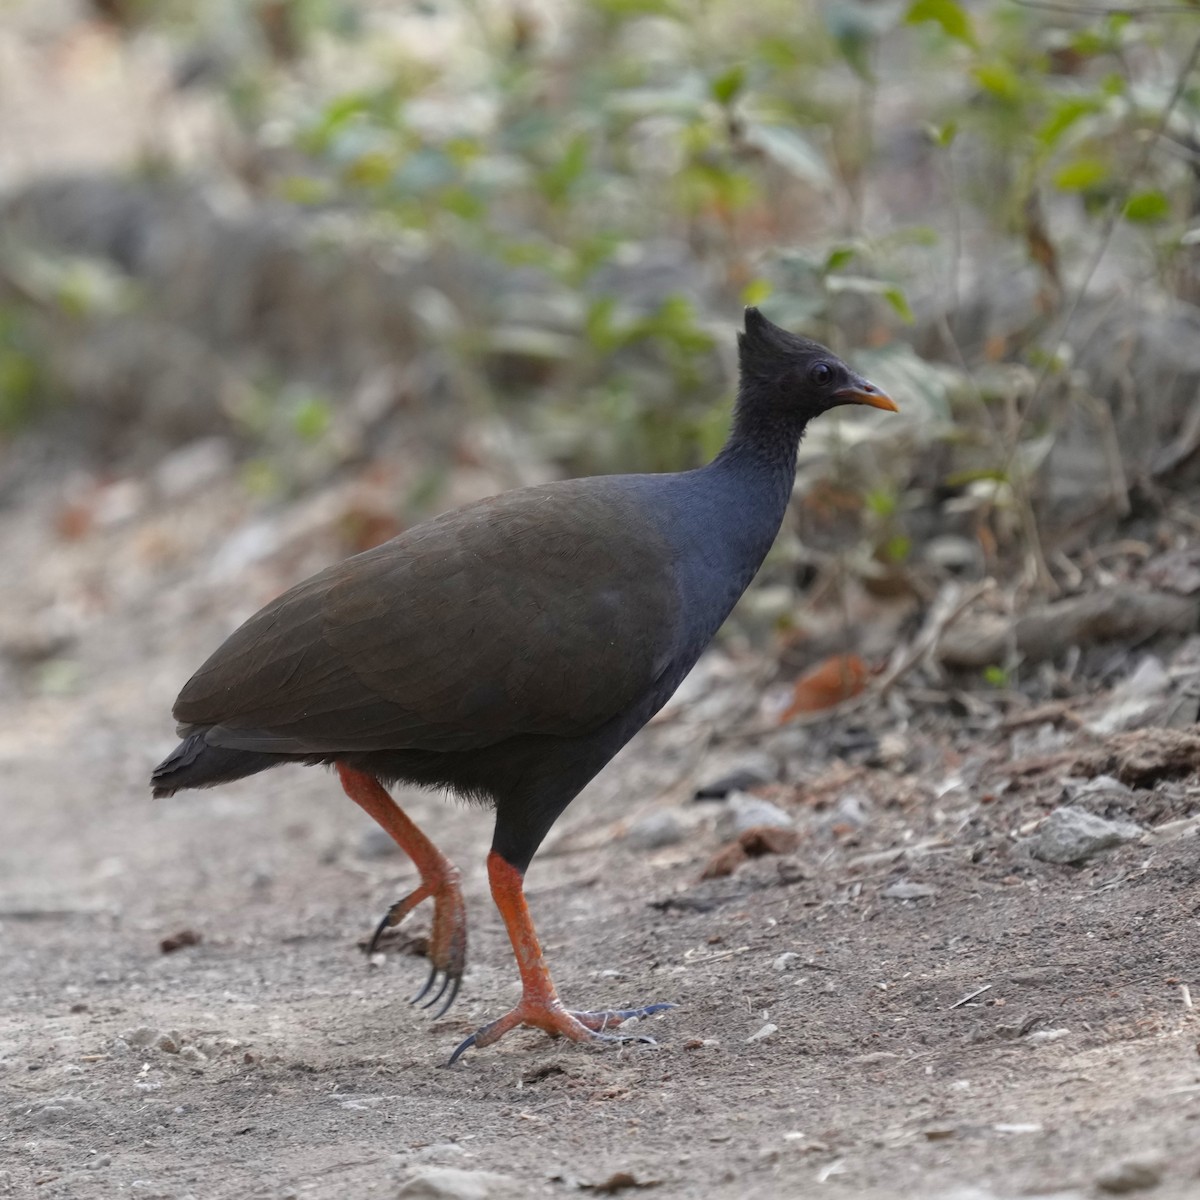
[902, 889]
[1132, 1175]
[452, 1183]
[1070, 835]
[753, 770]
[52, 1112]
[765, 1032]
[744, 811]
[655, 830]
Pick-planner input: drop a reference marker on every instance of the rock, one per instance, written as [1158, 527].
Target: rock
[1132, 1175]
[761, 1035]
[655, 830]
[902, 889]
[143, 1035]
[452, 1183]
[1101, 786]
[743, 812]
[1070, 835]
[54, 1111]
[753, 770]
[1135, 700]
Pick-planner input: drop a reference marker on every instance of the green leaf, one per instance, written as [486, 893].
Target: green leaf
[1067, 111]
[560, 177]
[1000, 80]
[996, 677]
[942, 135]
[838, 257]
[757, 290]
[729, 84]
[1147, 208]
[899, 302]
[1081, 174]
[311, 417]
[791, 150]
[949, 14]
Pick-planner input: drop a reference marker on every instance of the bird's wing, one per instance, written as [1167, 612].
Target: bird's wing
[549, 610]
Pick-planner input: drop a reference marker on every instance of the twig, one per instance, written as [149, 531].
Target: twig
[1185, 994]
[945, 612]
[971, 996]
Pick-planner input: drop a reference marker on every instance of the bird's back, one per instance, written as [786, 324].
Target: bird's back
[543, 611]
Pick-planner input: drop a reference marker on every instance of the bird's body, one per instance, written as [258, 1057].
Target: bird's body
[506, 650]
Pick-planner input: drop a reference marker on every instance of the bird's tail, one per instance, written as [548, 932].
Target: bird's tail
[196, 763]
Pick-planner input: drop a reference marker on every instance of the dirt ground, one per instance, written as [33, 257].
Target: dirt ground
[822, 1044]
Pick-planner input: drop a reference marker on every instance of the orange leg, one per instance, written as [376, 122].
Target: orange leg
[439, 879]
[540, 1006]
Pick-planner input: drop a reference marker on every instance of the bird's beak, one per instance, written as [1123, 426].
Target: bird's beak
[862, 392]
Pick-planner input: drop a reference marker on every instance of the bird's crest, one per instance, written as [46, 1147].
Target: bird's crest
[764, 348]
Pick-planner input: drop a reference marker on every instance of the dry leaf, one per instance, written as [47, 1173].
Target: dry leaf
[828, 683]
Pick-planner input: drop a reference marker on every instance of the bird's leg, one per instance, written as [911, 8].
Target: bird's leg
[440, 879]
[539, 1006]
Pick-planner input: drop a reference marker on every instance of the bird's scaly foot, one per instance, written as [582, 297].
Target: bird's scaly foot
[440, 880]
[540, 1006]
[447, 939]
[550, 1015]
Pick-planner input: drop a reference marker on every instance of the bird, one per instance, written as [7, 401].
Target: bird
[505, 651]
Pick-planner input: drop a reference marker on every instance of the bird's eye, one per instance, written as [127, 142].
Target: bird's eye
[821, 374]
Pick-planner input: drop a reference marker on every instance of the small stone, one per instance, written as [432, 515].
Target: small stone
[1132, 1175]
[655, 830]
[167, 1044]
[744, 773]
[452, 1183]
[1101, 785]
[765, 1032]
[744, 811]
[1070, 835]
[902, 889]
[786, 961]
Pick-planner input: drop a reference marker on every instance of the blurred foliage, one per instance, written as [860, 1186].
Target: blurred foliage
[632, 171]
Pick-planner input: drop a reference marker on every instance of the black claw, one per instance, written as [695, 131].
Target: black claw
[433, 973]
[386, 923]
[456, 981]
[440, 992]
[462, 1049]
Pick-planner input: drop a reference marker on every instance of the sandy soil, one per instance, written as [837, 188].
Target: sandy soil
[820, 1046]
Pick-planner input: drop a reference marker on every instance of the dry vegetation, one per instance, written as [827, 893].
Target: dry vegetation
[914, 850]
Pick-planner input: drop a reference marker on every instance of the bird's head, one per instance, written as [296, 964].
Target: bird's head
[800, 372]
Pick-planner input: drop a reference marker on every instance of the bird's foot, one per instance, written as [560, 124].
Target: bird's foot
[548, 1014]
[447, 940]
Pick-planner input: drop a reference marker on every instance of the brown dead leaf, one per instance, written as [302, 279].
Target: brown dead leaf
[753, 843]
[828, 683]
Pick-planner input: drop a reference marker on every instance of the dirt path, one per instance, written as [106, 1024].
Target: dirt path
[271, 1059]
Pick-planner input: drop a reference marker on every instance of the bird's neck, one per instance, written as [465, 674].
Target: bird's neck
[764, 440]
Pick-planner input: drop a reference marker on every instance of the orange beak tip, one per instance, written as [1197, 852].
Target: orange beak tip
[875, 398]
